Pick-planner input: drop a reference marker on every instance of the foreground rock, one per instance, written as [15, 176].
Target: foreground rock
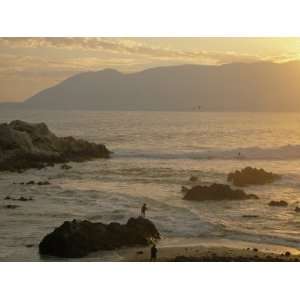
[26, 145]
[217, 192]
[79, 238]
[251, 176]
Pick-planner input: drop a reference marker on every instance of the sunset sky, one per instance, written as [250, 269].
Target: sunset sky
[28, 65]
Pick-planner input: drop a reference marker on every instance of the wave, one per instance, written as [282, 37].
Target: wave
[248, 153]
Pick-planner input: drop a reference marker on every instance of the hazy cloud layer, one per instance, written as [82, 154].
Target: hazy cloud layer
[128, 47]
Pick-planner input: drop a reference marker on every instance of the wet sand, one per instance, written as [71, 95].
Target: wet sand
[212, 251]
[209, 254]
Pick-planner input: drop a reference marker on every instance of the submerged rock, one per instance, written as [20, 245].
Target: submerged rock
[217, 191]
[79, 238]
[26, 145]
[281, 203]
[251, 176]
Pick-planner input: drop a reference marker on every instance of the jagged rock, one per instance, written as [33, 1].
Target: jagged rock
[79, 238]
[217, 192]
[280, 203]
[26, 145]
[251, 176]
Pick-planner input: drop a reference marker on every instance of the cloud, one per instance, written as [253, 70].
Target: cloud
[131, 48]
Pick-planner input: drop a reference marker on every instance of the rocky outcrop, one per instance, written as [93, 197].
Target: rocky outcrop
[79, 238]
[26, 145]
[216, 192]
[251, 176]
[280, 203]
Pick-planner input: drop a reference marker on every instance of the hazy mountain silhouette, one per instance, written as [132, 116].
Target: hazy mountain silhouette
[261, 86]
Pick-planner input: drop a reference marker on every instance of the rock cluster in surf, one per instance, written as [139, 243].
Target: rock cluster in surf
[78, 238]
[26, 145]
[216, 191]
[280, 203]
[251, 176]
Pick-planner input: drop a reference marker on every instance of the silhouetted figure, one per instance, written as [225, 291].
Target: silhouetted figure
[143, 210]
[153, 253]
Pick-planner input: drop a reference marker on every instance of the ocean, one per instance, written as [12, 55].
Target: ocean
[154, 154]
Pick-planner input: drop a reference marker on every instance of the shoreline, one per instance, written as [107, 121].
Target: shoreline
[202, 250]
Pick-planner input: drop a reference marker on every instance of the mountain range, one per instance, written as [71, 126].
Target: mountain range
[260, 86]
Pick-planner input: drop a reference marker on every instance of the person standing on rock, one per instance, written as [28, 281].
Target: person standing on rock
[143, 210]
[153, 253]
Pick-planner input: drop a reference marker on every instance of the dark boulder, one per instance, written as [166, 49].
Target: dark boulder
[251, 176]
[25, 145]
[280, 203]
[297, 209]
[79, 238]
[217, 192]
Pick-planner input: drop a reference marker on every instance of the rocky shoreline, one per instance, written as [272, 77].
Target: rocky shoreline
[32, 145]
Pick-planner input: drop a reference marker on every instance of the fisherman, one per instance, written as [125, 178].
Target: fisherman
[153, 252]
[143, 210]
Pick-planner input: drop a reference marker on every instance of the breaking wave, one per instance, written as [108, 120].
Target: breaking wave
[249, 153]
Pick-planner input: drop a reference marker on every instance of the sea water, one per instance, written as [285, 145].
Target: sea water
[154, 154]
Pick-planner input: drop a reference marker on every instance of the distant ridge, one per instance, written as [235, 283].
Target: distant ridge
[261, 86]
